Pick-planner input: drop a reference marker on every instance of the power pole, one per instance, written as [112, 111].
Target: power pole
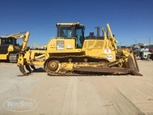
[135, 40]
[149, 43]
[120, 44]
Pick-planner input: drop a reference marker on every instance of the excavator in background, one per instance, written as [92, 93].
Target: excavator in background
[71, 53]
[43, 47]
[9, 48]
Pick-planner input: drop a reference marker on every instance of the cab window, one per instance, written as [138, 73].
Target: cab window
[65, 32]
[79, 36]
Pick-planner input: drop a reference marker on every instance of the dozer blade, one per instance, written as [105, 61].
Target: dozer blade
[22, 70]
[28, 68]
[135, 62]
[133, 66]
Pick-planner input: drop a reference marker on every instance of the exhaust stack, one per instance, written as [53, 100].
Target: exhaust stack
[98, 31]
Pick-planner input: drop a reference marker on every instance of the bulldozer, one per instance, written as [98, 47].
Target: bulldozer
[9, 48]
[71, 53]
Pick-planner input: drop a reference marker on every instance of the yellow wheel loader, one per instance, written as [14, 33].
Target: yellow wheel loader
[9, 48]
[70, 53]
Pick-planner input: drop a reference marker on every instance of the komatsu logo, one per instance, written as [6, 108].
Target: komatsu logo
[110, 57]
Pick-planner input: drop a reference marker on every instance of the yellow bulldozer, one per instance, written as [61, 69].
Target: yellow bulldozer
[9, 48]
[71, 53]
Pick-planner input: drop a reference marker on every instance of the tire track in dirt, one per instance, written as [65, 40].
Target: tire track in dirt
[91, 102]
[141, 93]
[69, 106]
[49, 95]
[121, 103]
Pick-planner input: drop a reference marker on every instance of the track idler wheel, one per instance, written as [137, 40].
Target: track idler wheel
[51, 67]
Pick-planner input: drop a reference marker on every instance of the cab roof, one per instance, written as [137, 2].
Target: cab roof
[69, 24]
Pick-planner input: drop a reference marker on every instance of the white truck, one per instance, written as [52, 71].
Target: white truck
[146, 52]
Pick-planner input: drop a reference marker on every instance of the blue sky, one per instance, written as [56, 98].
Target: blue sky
[129, 19]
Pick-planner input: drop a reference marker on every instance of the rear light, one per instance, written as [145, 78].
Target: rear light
[150, 50]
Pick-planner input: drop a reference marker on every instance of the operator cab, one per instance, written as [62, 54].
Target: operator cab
[8, 41]
[71, 31]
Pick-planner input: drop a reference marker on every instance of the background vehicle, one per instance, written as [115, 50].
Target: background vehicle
[9, 48]
[136, 49]
[146, 52]
[70, 53]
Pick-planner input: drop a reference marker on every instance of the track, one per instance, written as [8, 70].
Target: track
[83, 65]
[13, 57]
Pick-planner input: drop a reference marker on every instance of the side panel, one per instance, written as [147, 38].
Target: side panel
[99, 48]
[60, 46]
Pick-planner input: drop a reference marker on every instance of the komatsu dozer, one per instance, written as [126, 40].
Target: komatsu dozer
[9, 48]
[70, 53]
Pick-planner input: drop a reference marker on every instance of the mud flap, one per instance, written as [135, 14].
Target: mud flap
[133, 66]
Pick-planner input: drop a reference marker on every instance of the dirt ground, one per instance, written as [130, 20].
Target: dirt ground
[79, 95]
